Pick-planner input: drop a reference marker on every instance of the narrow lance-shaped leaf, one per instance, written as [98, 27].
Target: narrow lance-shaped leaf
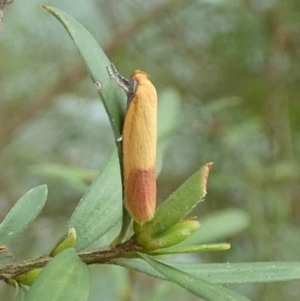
[113, 97]
[177, 206]
[202, 288]
[96, 62]
[23, 213]
[100, 208]
[78, 178]
[66, 277]
[224, 273]
[178, 249]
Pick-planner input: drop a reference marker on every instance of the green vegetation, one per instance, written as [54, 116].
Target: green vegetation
[227, 74]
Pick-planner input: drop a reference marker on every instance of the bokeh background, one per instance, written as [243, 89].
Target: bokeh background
[234, 67]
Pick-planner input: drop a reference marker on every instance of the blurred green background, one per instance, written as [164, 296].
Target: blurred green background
[234, 65]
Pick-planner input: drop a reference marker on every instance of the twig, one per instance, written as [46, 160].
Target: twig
[99, 256]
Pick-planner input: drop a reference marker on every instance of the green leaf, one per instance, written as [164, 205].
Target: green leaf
[23, 213]
[76, 177]
[100, 208]
[178, 249]
[225, 273]
[114, 99]
[218, 226]
[66, 277]
[202, 288]
[176, 207]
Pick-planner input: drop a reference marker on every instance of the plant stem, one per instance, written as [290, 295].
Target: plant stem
[100, 256]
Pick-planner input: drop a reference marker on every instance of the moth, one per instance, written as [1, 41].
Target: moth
[139, 143]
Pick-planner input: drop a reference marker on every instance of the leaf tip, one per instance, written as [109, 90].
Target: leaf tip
[44, 188]
[48, 8]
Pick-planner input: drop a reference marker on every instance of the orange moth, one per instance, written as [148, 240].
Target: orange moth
[139, 138]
